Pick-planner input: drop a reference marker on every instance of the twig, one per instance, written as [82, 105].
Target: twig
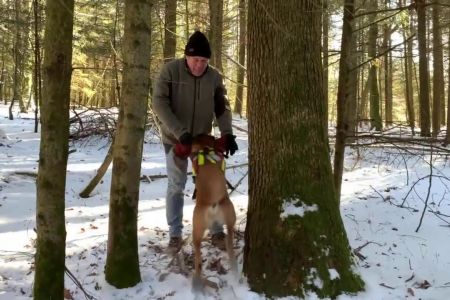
[428, 192]
[238, 183]
[78, 284]
[387, 286]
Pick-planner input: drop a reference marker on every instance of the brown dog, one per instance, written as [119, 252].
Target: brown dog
[212, 202]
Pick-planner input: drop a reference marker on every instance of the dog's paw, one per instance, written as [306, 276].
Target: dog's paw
[234, 267]
[197, 285]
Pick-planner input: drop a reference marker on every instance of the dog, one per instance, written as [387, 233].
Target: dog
[212, 201]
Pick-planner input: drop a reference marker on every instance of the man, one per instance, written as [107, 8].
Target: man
[187, 96]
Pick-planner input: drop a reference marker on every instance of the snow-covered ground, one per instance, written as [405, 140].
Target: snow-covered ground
[395, 261]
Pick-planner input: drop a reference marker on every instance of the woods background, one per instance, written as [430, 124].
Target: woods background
[391, 41]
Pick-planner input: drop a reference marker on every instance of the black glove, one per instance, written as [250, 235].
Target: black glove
[185, 138]
[231, 145]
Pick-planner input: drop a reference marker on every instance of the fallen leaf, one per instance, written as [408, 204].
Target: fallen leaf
[410, 291]
[423, 285]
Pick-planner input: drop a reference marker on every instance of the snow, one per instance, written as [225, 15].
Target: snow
[294, 207]
[394, 260]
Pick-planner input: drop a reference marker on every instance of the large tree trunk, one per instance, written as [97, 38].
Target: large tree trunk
[346, 62]
[325, 53]
[51, 180]
[238, 105]
[215, 32]
[375, 116]
[290, 168]
[170, 29]
[122, 263]
[438, 71]
[424, 93]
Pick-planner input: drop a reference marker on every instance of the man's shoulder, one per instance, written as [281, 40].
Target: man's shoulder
[174, 64]
[213, 70]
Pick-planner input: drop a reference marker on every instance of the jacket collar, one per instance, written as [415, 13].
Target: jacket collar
[189, 71]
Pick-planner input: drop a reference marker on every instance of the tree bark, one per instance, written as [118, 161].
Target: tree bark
[375, 116]
[346, 62]
[122, 263]
[409, 78]
[447, 134]
[387, 72]
[51, 180]
[438, 71]
[37, 63]
[2, 78]
[424, 92]
[170, 29]
[289, 159]
[215, 32]
[238, 105]
[325, 53]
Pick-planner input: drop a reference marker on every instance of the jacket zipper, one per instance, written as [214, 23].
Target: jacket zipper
[193, 110]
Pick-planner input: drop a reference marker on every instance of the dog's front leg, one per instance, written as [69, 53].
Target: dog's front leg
[198, 229]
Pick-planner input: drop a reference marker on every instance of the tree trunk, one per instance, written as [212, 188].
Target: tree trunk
[409, 79]
[387, 72]
[288, 140]
[215, 32]
[325, 53]
[351, 109]
[122, 263]
[186, 20]
[447, 134]
[424, 93]
[37, 64]
[20, 43]
[375, 117]
[116, 98]
[238, 105]
[51, 180]
[17, 58]
[346, 62]
[2, 78]
[438, 71]
[170, 30]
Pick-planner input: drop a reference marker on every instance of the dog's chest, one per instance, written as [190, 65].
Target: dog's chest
[214, 214]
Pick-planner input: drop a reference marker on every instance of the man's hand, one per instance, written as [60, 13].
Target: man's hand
[183, 148]
[185, 138]
[231, 147]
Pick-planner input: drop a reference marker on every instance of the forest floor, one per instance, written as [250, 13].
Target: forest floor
[383, 195]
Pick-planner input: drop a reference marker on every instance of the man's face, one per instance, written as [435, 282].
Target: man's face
[197, 64]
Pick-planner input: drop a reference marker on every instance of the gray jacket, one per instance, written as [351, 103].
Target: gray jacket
[185, 103]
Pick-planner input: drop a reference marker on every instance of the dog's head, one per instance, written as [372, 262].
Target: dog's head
[203, 141]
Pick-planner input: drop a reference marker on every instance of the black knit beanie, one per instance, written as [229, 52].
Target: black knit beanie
[198, 45]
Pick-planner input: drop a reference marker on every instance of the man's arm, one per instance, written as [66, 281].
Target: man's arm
[222, 108]
[161, 103]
